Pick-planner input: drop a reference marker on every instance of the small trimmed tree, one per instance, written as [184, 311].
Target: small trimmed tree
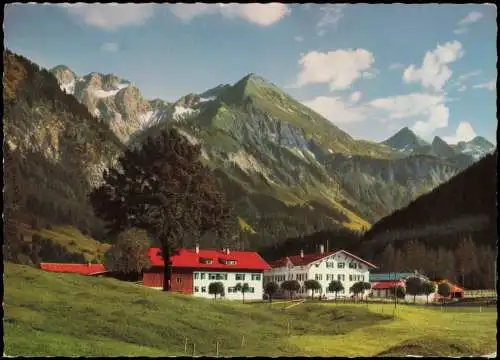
[357, 288]
[399, 291]
[428, 287]
[444, 290]
[270, 289]
[414, 286]
[312, 285]
[216, 288]
[335, 286]
[291, 286]
[244, 288]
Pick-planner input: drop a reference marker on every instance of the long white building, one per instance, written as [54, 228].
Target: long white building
[323, 267]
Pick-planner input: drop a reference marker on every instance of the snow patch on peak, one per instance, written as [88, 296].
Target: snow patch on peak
[181, 112]
[210, 98]
[69, 88]
[104, 94]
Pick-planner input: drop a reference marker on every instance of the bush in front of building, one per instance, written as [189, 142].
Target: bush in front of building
[216, 288]
[270, 289]
[312, 285]
[291, 286]
[414, 286]
[428, 287]
[335, 286]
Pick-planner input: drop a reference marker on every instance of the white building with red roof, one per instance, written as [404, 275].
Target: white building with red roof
[194, 269]
[323, 267]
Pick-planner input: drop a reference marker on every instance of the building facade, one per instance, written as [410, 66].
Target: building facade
[194, 269]
[323, 267]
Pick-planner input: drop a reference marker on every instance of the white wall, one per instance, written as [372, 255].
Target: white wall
[419, 298]
[231, 281]
[312, 270]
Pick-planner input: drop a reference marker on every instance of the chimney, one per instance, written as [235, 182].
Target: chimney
[197, 248]
[89, 263]
[228, 251]
[322, 249]
[301, 253]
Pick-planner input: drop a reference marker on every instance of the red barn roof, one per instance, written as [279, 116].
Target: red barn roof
[83, 269]
[220, 260]
[297, 260]
[387, 285]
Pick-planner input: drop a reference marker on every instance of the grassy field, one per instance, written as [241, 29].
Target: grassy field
[61, 314]
[74, 241]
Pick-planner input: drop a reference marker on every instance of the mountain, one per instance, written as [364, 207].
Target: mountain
[463, 206]
[441, 148]
[405, 141]
[287, 170]
[54, 151]
[290, 171]
[476, 148]
[113, 100]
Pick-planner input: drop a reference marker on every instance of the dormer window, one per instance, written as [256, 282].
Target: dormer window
[206, 261]
[352, 265]
[227, 261]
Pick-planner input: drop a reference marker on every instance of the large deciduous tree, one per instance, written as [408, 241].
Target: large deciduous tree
[163, 188]
[414, 286]
[312, 285]
[270, 289]
[335, 286]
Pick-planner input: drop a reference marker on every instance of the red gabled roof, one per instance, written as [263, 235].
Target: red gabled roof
[297, 260]
[387, 285]
[84, 269]
[188, 258]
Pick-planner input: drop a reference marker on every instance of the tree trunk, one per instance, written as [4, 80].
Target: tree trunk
[167, 271]
[414, 299]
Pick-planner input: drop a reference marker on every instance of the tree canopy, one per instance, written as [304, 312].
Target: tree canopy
[129, 253]
[163, 188]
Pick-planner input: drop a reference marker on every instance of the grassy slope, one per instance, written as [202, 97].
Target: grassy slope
[61, 314]
[73, 240]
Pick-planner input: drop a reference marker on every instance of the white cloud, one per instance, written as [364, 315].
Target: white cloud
[336, 110]
[330, 16]
[472, 17]
[490, 85]
[434, 72]
[462, 88]
[338, 68]
[259, 14]
[110, 47]
[299, 38]
[464, 132]
[355, 97]
[469, 75]
[428, 110]
[110, 16]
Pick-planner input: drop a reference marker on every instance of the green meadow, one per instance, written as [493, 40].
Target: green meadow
[49, 314]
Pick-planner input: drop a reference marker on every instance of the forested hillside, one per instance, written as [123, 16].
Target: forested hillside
[54, 150]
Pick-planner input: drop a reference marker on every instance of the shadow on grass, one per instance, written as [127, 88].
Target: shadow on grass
[430, 347]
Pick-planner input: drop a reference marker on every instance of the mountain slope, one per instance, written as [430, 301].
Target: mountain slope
[278, 159]
[54, 149]
[464, 205]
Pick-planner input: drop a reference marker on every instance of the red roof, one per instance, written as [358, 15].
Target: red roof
[84, 269]
[310, 258]
[387, 285]
[188, 258]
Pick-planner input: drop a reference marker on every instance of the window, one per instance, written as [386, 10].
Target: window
[225, 276]
[229, 289]
[362, 278]
[352, 265]
[178, 280]
[230, 262]
[203, 289]
[196, 275]
[196, 289]
[205, 261]
[212, 276]
[240, 276]
[327, 277]
[255, 276]
[340, 277]
[329, 264]
[319, 277]
[350, 277]
[341, 265]
[290, 277]
[251, 290]
[202, 276]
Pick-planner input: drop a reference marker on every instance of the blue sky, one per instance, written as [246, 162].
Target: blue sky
[370, 69]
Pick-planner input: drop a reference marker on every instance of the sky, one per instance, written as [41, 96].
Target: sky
[369, 69]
